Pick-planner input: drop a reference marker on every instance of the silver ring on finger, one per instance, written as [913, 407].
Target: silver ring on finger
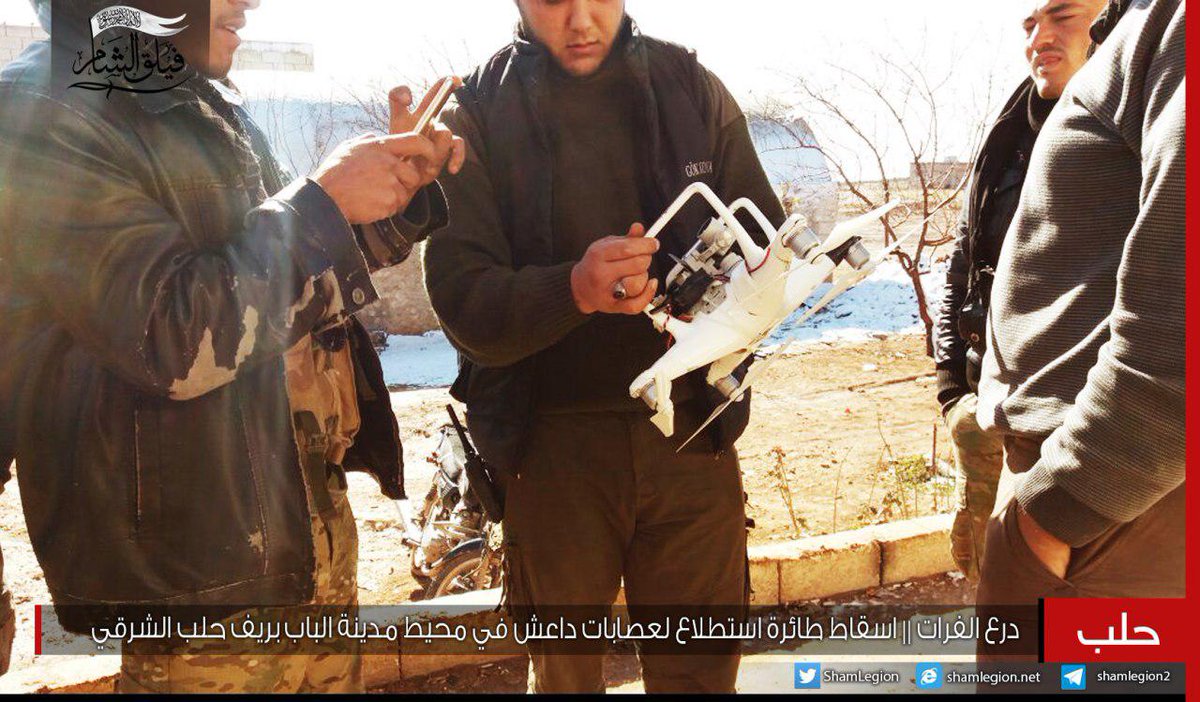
[618, 290]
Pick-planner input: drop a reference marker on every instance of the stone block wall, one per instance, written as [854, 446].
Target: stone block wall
[15, 37]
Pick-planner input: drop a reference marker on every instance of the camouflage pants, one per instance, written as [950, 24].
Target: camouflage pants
[206, 668]
[978, 459]
[8, 618]
[8, 621]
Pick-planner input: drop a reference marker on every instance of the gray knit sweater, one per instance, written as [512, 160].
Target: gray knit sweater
[1087, 325]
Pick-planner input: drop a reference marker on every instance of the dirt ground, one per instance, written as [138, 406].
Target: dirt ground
[842, 432]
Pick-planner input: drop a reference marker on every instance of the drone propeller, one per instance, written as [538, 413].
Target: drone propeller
[852, 226]
[755, 373]
[854, 278]
[682, 263]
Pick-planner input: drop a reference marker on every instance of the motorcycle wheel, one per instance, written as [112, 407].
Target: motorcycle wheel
[457, 575]
[429, 511]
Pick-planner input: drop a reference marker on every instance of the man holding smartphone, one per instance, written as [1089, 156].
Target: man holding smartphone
[580, 133]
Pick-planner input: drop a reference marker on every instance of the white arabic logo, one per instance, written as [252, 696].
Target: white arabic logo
[123, 16]
[1112, 640]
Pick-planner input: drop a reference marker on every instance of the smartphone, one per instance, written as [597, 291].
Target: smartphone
[444, 91]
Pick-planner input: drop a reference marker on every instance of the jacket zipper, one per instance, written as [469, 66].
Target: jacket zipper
[254, 480]
[137, 471]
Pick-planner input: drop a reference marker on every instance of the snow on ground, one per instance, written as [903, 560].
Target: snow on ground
[884, 303]
[426, 361]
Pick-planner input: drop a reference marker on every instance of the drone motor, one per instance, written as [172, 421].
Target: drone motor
[696, 283]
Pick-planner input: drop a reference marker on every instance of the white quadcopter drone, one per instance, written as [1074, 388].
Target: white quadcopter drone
[720, 306]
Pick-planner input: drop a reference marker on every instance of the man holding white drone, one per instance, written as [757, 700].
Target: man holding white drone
[581, 129]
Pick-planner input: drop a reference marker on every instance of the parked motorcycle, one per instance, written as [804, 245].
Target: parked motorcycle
[456, 537]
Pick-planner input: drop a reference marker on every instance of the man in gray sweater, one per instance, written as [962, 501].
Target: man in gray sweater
[1084, 377]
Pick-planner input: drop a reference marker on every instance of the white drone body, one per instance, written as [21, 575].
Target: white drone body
[720, 306]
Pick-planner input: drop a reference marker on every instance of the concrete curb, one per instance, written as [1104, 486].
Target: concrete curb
[850, 561]
[780, 573]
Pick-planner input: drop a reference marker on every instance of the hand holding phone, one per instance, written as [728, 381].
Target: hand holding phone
[450, 150]
[400, 100]
[405, 161]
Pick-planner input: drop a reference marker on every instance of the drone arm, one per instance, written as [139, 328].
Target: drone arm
[697, 344]
[806, 278]
[846, 230]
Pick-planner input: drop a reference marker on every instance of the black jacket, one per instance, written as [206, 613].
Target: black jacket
[957, 353]
[991, 201]
[149, 288]
[491, 275]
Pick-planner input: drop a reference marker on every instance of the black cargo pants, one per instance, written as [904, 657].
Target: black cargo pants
[603, 497]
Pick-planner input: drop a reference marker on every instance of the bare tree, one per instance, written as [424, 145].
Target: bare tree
[304, 130]
[374, 111]
[862, 117]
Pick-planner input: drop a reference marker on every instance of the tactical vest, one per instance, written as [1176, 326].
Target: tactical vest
[676, 130]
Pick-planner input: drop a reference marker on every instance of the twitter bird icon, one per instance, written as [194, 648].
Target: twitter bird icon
[808, 676]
